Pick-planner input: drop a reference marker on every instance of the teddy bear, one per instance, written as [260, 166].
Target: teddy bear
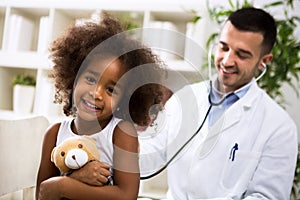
[73, 153]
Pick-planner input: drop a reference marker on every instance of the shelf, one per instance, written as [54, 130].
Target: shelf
[130, 5]
[29, 11]
[29, 60]
[2, 17]
[28, 27]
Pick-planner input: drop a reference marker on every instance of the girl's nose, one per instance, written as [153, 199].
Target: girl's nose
[97, 93]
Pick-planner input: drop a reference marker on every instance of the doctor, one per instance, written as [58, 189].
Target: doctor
[247, 147]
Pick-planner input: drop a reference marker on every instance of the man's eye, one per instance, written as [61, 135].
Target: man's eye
[224, 48]
[242, 57]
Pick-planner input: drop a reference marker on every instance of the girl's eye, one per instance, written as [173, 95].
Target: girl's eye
[112, 91]
[91, 80]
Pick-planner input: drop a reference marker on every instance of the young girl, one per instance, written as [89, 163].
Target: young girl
[99, 75]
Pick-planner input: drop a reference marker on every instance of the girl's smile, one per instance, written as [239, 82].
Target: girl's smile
[97, 91]
[91, 107]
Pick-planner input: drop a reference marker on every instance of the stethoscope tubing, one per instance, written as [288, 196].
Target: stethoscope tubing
[191, 138]
[181, 148]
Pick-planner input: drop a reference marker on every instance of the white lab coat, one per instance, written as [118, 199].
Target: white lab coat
[264, 163]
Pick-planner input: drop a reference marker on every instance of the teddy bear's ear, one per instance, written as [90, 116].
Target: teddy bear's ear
[52, 154]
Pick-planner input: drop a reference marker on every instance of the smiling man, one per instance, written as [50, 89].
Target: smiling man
[247, 146]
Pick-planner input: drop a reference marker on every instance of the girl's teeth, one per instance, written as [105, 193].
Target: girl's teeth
[91, 106]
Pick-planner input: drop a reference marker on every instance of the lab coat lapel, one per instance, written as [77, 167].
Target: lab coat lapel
[235, 113]
[211, 135]
[231, 116]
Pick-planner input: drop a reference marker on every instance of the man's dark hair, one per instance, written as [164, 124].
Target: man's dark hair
[256, 20]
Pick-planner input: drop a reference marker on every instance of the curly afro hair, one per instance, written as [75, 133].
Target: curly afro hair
[72, 52]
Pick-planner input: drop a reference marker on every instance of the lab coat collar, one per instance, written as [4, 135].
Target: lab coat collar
[234, 114]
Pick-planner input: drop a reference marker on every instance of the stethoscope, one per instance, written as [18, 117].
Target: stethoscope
[211, 104]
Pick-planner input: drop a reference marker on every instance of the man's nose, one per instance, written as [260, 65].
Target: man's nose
[228, 59]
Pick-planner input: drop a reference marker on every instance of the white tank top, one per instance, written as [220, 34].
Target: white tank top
[103, 138]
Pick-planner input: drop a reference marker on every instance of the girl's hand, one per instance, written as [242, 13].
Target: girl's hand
[50, 189]
[94, 173]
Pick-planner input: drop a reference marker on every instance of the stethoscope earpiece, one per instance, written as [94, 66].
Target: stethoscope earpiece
[263, 71]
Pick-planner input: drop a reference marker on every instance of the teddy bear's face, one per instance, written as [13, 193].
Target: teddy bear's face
[74, 153]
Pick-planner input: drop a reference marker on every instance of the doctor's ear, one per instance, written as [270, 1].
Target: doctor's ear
[262, 66]
[265, 60]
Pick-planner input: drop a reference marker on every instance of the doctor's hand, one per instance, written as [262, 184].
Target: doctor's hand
[94, 173]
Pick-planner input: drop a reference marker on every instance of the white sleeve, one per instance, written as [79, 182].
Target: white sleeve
[154, 141]
[176, 125]
[273, 178]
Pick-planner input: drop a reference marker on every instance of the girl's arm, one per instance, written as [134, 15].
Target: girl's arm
[47, 169]
[126, 173]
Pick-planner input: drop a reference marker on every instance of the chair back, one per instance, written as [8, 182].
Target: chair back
[20, 151]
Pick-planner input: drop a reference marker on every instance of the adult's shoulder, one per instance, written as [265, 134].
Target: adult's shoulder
[187, 96]
[193, 89]
[201, 86]
[276, 112]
